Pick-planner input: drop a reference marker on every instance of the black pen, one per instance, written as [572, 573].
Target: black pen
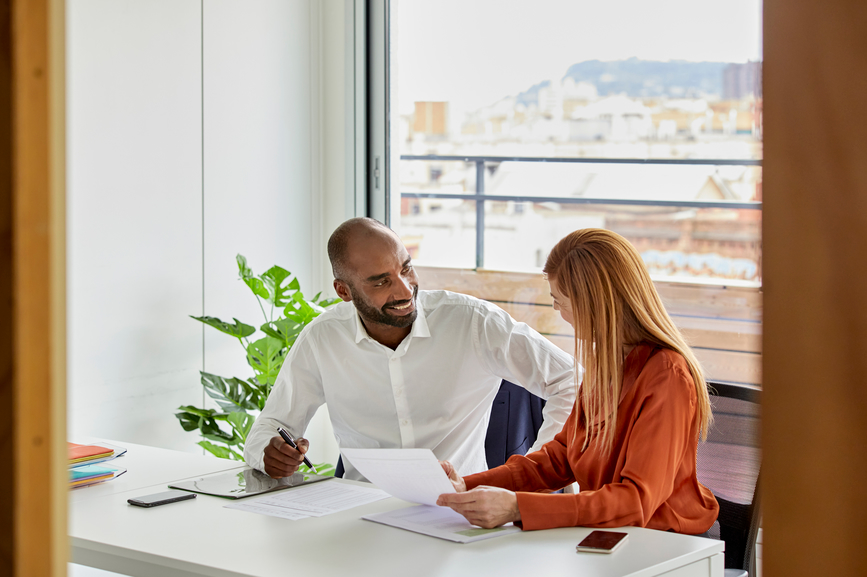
[288, 438]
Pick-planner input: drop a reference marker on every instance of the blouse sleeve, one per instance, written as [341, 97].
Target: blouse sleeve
[543, 470]
[659, 436]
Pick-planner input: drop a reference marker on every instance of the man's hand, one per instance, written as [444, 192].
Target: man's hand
[281, 460]
[486, 507]
[457, 480]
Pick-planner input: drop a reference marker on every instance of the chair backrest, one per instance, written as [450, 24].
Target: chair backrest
[516, 416]
[728, 464]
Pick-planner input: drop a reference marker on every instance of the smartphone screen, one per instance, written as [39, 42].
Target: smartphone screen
[160, 498]
[601, 542]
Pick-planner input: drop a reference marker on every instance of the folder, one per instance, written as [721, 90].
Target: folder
[92, 454]
[92, 474]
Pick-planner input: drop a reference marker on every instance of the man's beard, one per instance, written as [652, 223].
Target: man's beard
[382, 316]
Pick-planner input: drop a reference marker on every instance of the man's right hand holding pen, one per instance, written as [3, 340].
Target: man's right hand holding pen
[281, 460]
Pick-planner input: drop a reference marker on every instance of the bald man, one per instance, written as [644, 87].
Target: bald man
[403, 368]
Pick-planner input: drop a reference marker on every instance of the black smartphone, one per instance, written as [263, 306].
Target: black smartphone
[601, 542]
[163, 498]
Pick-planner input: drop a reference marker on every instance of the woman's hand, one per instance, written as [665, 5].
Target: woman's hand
[456, 479]
[486, 507]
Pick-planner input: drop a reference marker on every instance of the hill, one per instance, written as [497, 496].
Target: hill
[643, 78]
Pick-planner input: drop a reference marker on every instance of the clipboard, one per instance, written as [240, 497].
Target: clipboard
[245, 483]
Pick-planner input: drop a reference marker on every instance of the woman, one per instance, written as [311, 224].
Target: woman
[632, 438]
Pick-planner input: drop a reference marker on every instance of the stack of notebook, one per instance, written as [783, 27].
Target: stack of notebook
[83, 470]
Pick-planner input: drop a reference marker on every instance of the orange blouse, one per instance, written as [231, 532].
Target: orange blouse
[648, 479]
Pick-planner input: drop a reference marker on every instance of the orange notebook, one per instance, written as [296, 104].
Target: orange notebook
[84, 453]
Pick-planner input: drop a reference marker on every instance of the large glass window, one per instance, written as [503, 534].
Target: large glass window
[513, 123]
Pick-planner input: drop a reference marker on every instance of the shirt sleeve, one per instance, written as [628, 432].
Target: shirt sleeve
[660, 435]
[294, 399]
[515, 352]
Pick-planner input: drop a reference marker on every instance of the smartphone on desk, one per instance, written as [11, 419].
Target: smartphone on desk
[601, 542]
[163, 498]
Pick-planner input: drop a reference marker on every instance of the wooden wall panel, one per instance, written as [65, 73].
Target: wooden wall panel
[729, 366]
[489, 285]
[709, 333]
[815, 239]
[724, 334]
[722, 324]
[704, 300]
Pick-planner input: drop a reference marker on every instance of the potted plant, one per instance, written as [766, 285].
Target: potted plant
[225, 429]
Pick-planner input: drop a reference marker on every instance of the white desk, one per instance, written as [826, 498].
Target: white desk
[201, 537]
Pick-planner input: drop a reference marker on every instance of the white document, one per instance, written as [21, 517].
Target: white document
[440, 522]
[410, 474]
[311, 500]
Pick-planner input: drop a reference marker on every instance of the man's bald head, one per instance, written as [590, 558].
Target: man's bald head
[348, 233]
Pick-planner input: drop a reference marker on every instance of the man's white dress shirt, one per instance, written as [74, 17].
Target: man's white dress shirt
[434, 391]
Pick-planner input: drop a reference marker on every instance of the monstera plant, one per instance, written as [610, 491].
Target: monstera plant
[225, 429]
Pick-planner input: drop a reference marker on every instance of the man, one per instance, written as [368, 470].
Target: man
[400, 368]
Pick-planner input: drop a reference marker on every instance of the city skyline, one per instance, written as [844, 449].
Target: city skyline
[472, 54]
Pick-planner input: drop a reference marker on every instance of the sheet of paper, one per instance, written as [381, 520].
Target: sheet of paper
[440, 522]
[311, 500]
[413, 475]
[269, 510]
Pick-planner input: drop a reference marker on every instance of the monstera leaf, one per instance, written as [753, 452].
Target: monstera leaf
[205, 420]
[284, 330]
[221, 452]
[279, 294]
[302, 311]
[324, 303]
[231, 394]
[236, 329]
[241, 424]
[266, 357]
[256, 285]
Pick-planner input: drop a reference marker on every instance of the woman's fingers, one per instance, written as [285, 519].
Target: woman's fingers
[457, 481]
[457, 499]
[484, 506]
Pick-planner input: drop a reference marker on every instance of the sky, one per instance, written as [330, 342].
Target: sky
[472, 53]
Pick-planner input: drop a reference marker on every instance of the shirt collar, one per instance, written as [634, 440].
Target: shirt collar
[420, 327]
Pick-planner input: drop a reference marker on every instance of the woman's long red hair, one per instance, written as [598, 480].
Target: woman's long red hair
[614, 305]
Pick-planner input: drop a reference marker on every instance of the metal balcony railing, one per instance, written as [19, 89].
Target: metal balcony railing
[480, 197]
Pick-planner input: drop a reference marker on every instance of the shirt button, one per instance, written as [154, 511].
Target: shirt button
[394, 360]
[404, 422]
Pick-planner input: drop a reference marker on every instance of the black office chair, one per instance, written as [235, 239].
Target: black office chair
[516, 416]
[728, 464]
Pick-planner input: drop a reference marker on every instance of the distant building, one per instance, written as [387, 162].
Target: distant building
[431, 118]
[616, 118]
[742, 80]
[551, 100]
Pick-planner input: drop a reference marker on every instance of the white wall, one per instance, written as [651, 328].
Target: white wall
[257, 159]
[192, 137]
[134, 216]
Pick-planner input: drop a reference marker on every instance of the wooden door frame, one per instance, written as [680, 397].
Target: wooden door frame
[815, 324]
[33, 267]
